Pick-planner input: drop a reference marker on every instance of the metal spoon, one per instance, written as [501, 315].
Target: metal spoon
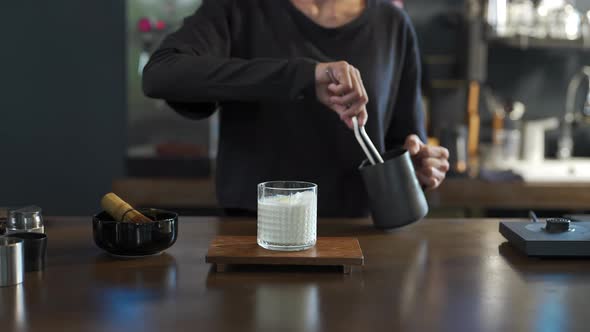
[533, 216]
[360, 133]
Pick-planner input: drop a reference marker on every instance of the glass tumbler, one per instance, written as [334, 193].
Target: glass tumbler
[287, 215]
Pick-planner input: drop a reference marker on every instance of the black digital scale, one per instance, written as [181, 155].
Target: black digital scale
[556, 237]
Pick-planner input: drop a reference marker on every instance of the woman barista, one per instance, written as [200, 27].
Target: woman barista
[264, 63]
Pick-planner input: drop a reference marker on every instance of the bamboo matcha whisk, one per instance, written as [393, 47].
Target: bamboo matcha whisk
[120, 210]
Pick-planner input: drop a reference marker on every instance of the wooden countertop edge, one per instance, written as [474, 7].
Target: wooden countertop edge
[281, 261]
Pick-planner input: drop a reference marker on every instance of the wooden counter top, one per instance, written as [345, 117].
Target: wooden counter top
[468, 193]
[436, 275]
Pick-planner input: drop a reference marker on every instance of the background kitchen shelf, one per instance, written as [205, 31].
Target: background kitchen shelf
[526, 42]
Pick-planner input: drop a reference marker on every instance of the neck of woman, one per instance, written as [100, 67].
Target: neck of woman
[330, 13]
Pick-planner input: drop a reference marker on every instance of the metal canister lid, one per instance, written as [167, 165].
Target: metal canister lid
[557, 225]
[28, 217]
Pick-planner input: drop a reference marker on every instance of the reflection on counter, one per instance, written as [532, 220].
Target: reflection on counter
[135, 283]
[413, 280]
[294, 306]
[281, 301]
[547, 304]
[14, 309]
[157, 272]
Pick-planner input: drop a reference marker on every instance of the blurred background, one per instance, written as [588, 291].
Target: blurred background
[505, 84]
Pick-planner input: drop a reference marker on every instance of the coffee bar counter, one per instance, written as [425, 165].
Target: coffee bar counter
[434, 275]
[461, 193]
[454, 193]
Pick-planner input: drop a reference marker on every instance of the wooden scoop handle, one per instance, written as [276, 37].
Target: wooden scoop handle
[120, 210]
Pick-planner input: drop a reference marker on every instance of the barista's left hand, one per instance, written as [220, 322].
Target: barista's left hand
[431, 162]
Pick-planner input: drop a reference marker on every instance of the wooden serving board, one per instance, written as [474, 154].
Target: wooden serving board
[243, 250]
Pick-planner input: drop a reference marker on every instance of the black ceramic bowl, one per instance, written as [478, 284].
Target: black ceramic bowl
[134, 239]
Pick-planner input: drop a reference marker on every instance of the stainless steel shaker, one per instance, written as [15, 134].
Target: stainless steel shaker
[12, 265]
[26, 219]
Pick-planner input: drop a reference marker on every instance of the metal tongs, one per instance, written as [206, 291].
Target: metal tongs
[360, 133]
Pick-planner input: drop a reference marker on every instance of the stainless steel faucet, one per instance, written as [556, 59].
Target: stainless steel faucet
[565, 144]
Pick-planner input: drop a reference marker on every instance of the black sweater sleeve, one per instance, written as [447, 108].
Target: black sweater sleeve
[408, 113]
[194, 65]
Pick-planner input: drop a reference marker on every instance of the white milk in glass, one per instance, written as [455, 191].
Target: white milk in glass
[287, 222]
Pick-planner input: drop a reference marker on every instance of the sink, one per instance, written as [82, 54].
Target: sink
[571, 170]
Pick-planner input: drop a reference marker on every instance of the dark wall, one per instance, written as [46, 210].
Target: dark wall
[62, 105]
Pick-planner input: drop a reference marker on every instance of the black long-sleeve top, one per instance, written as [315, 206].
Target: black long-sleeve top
[256, 59]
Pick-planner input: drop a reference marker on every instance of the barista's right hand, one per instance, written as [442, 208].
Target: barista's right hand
[348, 96]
